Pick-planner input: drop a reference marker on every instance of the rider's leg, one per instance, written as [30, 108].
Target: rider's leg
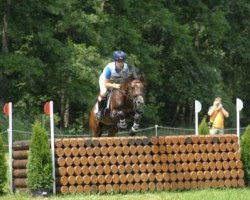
[101, 98]
[101, 102]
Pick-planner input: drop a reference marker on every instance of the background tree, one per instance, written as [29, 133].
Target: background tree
[55, 50]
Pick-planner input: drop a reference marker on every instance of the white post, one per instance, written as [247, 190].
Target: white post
[197, 110]
[239, 106]
[156, 130]
[52, 144]
[10, 147]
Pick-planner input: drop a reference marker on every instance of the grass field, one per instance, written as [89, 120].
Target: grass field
[204, 194]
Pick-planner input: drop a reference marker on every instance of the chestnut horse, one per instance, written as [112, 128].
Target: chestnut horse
[123, 105]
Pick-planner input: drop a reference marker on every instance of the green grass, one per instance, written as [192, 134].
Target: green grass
[203, 194]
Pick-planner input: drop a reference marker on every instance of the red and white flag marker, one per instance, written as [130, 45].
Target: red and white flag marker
[49, 110]
[8, 112]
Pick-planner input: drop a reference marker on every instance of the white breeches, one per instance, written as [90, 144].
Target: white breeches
[103, 89]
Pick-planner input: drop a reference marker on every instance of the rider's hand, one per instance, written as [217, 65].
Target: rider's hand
[117, 86]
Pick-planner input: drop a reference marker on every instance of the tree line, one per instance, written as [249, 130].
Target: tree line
[187, 50]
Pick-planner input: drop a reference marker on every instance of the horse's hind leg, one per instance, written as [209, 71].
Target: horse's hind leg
[94, 125]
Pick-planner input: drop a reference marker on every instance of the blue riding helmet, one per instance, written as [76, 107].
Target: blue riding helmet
[119, 55]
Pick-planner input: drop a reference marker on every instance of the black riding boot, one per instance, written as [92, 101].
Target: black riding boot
[100, 113]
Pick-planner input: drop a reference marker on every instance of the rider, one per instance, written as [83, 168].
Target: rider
[107, 80]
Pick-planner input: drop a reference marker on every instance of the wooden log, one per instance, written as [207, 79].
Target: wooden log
[222, 138]
[191, 166]
[154, 140]
[110, 141]
[146, 140]
[229, 138]
[85, 170]
[60, 162]
[61, 171]
[86, 188]
[132, 149]
[59, 152]
[82, 151]
[80, 142]
[95, 142]
[182, 148]
[98, 160]
[72, 189]
[102, 189]
[118, 150]
[79, 189]
[21, 145]
[125, 150]
[64, 189]
[77, 170]
[168, 140]
[91, 160]
[67, 151]
[104, 151]
[227, 174]
[20, 182]
[102, 142]
[69, 161]
[21, 154]
[117, 141]
[71, 180]
[208, 139]
[140, 149]
[88, 142]
[203, 148]
[190, 157]
[115, 178]
[155, 149]
[76, 161]
[99, 169]
[75, 151]
[93, 179]
[194, 139]
[73, 142]
[101, 179]
[161, 140]
[58, 143]
[70, 170]
[20, 173]
[212, 165]
[108, 178]
[201, 139]
[20, 164]
[216, 147]
[124, 141]
[196, 148]
[92, 169]
[66, 142]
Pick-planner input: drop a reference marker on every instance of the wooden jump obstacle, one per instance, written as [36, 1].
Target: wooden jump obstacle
[124, 164]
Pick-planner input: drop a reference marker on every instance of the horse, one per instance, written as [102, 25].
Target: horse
[123, 105]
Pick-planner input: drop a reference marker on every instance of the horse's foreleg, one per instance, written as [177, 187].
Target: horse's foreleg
[122, 122]
[137, 119]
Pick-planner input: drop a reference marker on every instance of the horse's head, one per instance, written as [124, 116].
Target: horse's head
[135, 91]
[134, 88]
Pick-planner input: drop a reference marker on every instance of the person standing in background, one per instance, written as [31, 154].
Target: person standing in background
[217, 115]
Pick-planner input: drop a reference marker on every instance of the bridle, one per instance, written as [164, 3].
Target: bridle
[137, 98]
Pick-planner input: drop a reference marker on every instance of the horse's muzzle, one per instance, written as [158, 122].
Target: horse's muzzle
[138, 101]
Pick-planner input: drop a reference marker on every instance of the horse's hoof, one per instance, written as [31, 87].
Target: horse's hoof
[121, 126]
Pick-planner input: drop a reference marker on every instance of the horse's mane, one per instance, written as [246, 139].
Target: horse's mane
[133, 74]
